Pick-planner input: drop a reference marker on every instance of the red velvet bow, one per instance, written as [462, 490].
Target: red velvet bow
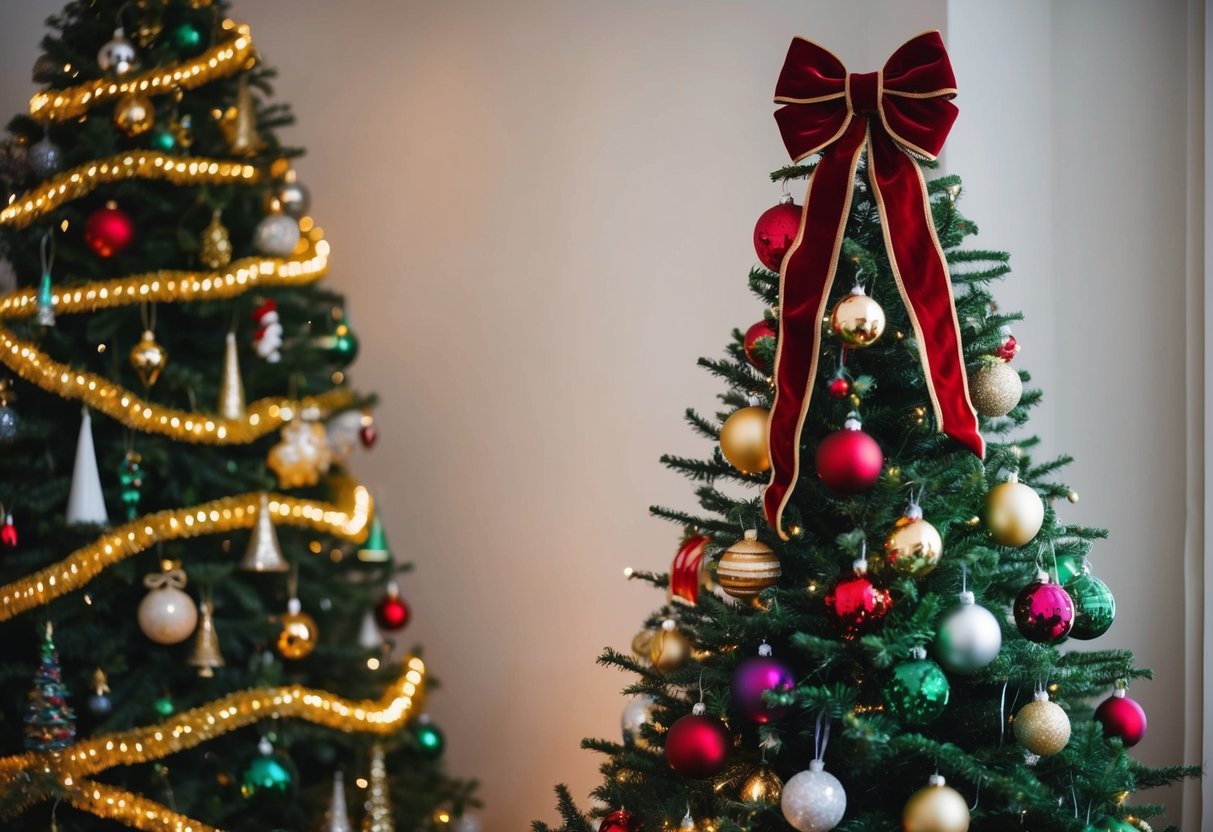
[903, 108]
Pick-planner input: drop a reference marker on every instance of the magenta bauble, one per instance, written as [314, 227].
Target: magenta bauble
[1044, 612]
[1123, 718]
[753, 335]
[753, 678]
[697, 745]
[109, 230]
[848, 460]
[775, 232]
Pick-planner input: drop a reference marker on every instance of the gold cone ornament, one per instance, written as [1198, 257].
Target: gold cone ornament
[337, 818]
[206, 656]
[231, 388]
[378, 817]
[215, 248]
[148, 358]
[239, 124]
[263, 553]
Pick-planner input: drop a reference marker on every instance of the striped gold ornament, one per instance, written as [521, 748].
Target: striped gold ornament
[748, 567]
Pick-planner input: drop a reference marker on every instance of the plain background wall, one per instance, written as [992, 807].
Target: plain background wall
[541, 214]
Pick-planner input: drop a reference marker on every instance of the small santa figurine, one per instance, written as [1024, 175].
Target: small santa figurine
[267, 340]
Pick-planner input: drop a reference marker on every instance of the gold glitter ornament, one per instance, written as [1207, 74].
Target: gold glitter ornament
[148, 358]
[857, 319]
[669, 649]
[1042, 727]
[763, 786]
[995, 388]
[134, 114]
[299, 634]
[215, 248]
[302, 455]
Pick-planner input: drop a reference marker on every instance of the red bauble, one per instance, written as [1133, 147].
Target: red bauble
[1007, 351]
[753, 335]
[8, 533]
[621, 820]
[109, 230]
[839, 387]
[391, 613]
[367, 434]
[698, 745]
[854, 604]
[848, 460]
[1044, 612]
[1123, 718]
[775, 232]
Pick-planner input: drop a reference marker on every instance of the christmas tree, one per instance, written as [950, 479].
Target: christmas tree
[178, 426]
[862, 623]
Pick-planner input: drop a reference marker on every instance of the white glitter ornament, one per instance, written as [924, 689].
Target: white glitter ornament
[813, 800]
[277, 235]
[969, 638]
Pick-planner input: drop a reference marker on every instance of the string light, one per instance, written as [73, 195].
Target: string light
[347, 518]
[144, 164]
[233, 54]
[260, 418]
[189, 729]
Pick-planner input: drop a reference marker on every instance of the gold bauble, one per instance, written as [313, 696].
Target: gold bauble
[215, 248]
[134, 114]
[858, 320]
[1042, 726]
[913, 549]
[743, 440]
[1014, 513]
[935, 808]
[748, 567]
[148, 358]
[642, 643]
[995, 388]
[669, 649]
[763, 786]
[298, 636]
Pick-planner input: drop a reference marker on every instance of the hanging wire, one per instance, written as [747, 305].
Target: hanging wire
[47, 252]
[977, 793]
[821, 734]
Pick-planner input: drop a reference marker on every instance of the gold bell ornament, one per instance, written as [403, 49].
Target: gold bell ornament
[239, 123]
[231, 386]
[857, 319]
[206, 656]
[263, 553]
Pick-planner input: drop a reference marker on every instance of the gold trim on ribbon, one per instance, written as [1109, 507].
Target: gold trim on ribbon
[232, 55]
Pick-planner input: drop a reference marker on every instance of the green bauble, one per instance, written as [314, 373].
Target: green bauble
[1107, 823]
[164, 706]
[267, 775]
[430, 741]
[916, 692]
[1094, 606]
[161, 138]
[187, 39]
[342, 345]
[1068, 566]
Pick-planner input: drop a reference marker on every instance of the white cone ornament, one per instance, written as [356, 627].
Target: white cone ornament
[969, 638]
[369, 637]
[337, 818]
[85, 502]
[813, 800]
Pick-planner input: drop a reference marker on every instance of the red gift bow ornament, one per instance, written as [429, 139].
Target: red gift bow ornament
[903, 108]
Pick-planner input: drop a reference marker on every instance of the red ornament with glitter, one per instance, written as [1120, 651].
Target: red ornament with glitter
[621, 820]
[775, 232]
[698, 745]
[854, 604]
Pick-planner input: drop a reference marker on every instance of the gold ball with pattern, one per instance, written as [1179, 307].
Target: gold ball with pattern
[857, 320]
[1042, 727]
[748, 567]
[995, 388]
[743, 440]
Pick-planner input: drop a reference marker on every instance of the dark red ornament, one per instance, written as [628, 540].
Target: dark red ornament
[621, 820]
[367, 435]
[848, 460]
[698, 745]
[109, 230]
[8, 533]
[839, 387]
[1122, 718]
[854, 604]
[753, 335]
[1007, 351]
[687, 569]
[775, 232]
[1044, 611]
[391, 613]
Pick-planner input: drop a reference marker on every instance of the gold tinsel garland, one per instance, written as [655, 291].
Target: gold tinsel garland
[102, 395]
[191, 728]
[235, 53]
[180, 286]
[346, 518]
[142, 164]
[130, 809]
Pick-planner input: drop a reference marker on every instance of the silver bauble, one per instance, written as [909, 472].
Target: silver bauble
[9, 422]
[45, 158]
[467, 822]
[118, 55]
[277, 235]
[969, 638]
[8, 276]
[46, 69]
[293, 199]
[813, 800]
[167, 615]
[636, 714]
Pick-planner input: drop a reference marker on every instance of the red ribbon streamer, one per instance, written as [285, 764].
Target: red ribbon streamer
[903, 108]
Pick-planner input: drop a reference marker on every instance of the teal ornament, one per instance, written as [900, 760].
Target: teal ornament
[1094, 606]
[45, 315]
[162, 139]
[164, 706]
[1107, 823]
[1068, 565]
[916, 692]
[342, 345]
[270, 774]
[430, 741]
[187, 39]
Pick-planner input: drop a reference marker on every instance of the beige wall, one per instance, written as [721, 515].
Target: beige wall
[541, 212]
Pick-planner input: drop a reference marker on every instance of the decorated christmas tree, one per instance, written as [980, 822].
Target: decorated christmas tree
[863, 621]
[178, 428]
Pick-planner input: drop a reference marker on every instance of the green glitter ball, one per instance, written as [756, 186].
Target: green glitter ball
[430, 741]
[916, 692]
[187, 39]
[164, 706]
[1094, 606]
[268, 774]
[162, 139]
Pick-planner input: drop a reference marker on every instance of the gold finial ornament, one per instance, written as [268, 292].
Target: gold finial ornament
[231, 389]
[263, 553]
[378, 817]
[148, 358]
[206, 656]
[215, 250]
[239, 123]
